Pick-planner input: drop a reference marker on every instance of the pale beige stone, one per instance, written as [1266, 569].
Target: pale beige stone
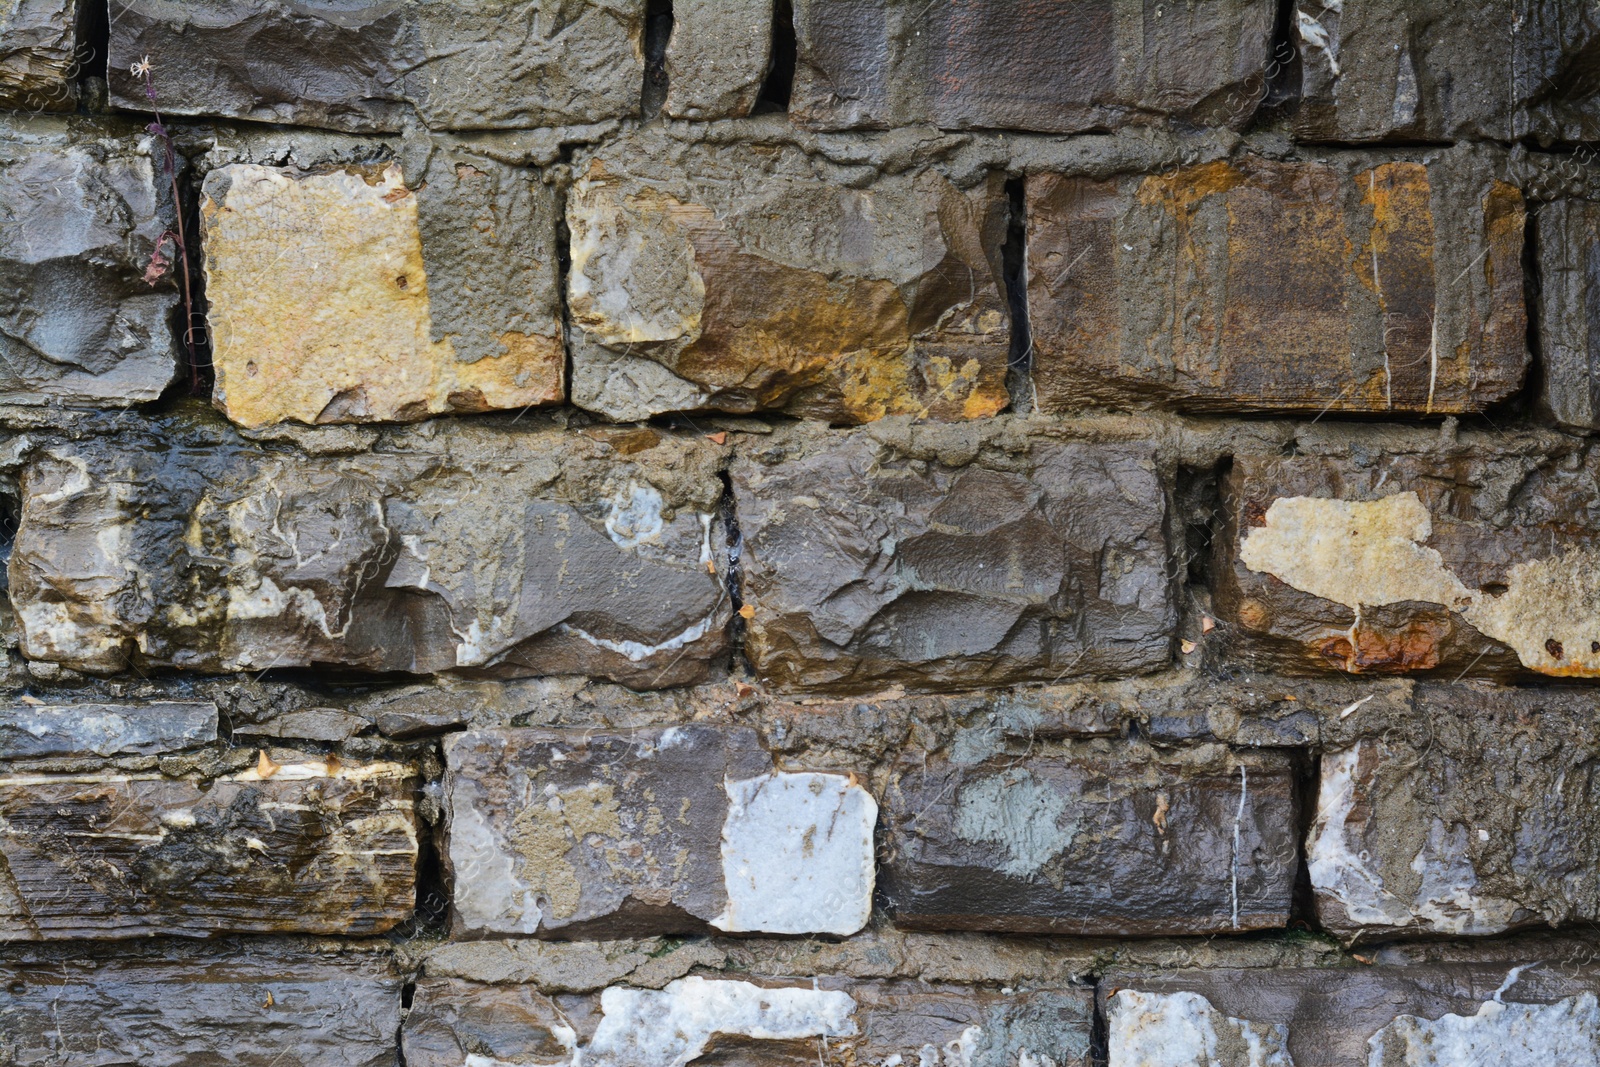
[320, 306]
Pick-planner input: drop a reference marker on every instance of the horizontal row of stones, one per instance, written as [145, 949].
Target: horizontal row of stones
[933, 557]
[1463, 811]
[288, 1007]
[1366, 70]
[733, 268]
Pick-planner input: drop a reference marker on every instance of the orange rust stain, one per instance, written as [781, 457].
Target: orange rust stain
[1415, 648]
[1504, 218]
[1399, 195]
[1181, 191]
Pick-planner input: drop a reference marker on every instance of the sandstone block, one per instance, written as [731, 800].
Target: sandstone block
[718, 57]
[741, 1024]
[1362, 284]
[306, 847]
[1471, 816]
[1568, 240]
[85, 208]
[38, 46]
[368, 66]
[267, 1005]
[344, 296]
[1062, 66]
[867, 563]
[31, 731]
[1427, 1015]
[510, 552]
[741, 277]
[1096, 841]
[583, 834]
[1400, 563]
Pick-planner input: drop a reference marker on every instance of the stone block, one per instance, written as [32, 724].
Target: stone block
[38, 50]
[313, 846]
[1449, 562]
[369, 66]
[742, 1024]
[349, 295]
[1568, 243]
[1360, 284]
[261, 1005]
[33, 731]
[868, 562]
[1096, 841]
[1470, 816]
[85, 207]
[718, 57]
[515, 551]
[581, 833]
[746, 276]
[1423, 1015]
[1058, 66]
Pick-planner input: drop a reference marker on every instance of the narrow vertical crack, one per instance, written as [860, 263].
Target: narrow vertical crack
[658, 21]
[1014, 274]
[778, 87]
[734, 542]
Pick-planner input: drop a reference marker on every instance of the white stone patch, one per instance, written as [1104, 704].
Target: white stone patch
[1184, 1030]
[1025, 817]
[1336, 869]
[797, 855]
[1314, 35]
[488, 893]
[635, 516]
[1447, 899]
[1563, 1034]
[638, 651]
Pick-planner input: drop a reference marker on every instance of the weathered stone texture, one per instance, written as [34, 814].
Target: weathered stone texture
[584, 833]
[38, 43]
[718, 57]
[743, 277]
[1568, 242]
[267, 1005]
[1097, 841]
[1057, 66]
[344, 296]
[311, 846]
[1474, 815]
[1453, 562]
[946, 564]
[496, 551]
[742, 1024]
[32, 731]
[1363, 284]
[83, 209]
[371, 66]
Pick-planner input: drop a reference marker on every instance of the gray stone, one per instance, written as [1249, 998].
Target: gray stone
[1568, 242]
[875, 558]
[402, 559]
[718, 57]
[308, 845]
[30, 731]
[1063, 66]
[84, 209]
[583, 833]
[256, 1005]
[38, 45]
[372, 66]
[1096, 841]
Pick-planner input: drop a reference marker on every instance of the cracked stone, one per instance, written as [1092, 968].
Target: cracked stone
[38, 42]
[1568, 242]
[32, 731]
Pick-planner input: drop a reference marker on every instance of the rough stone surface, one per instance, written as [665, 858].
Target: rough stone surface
[32, 730]
[718, 57]
[310, 846]
[344, 296]
[84, 208]
[740, 1023]
[38, 42]
[1568, 242]
[1096, 841]
[403, 559]
[1452, 562]
[870, 560]
[265, 1005]
[372, 66]
[580, 833]
[1363, 284]
[1470, 816]
[1058, 66]
[739, 277]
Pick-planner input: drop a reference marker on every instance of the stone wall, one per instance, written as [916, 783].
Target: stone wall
[863, 532]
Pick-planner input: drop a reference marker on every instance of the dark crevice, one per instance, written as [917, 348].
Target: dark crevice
[779, 85]
[1306, 766]
[657, 34]
[1532, 288]
[1099, 1029]
[1198, 499]
[1280, 95]
[1014, 275]
[563, 271]
[734, 543]
[94, 43]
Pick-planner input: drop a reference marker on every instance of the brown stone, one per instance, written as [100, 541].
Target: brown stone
[740, 277]
[1569, 316]
[1378, 286]
[1405, 563]
[1096, 841]
[308, 846]
[38, 45]
[344, 296]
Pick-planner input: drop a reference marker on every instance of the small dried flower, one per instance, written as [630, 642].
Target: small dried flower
[141, 69]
